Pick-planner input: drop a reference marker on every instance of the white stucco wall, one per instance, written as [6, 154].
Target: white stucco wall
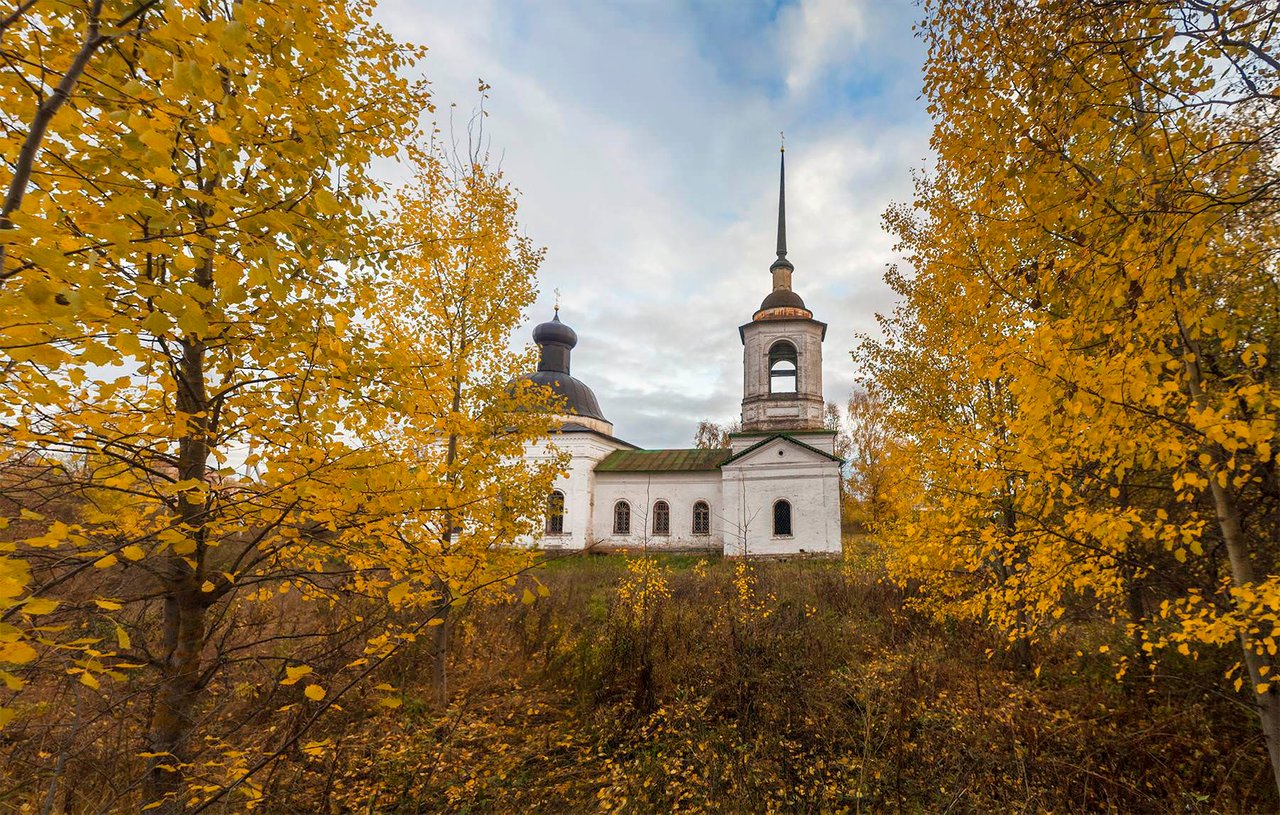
[641, 491]
[781, 470]
[586, 451]
[740, 494]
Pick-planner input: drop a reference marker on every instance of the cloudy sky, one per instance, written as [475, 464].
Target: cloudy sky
[644, 138]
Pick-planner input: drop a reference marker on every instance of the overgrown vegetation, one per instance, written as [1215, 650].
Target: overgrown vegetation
[775, 686]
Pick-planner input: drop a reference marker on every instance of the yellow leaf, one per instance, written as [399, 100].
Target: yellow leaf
[39, 605]
[193, 321]
[108, 605]
[314, 693]
[390, 701]
[292, 675]
[165, 176]
[207, 586]
[89, 679]
[527, 598]
[133, 552]
[397, 593]
[315, 749]
[105, 562]
[122, 637]
[219, 135]
[326, 204]
[157, 323]
[16, 653]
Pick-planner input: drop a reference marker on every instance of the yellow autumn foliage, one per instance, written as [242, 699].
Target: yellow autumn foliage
[1092, 416]
[226, 373]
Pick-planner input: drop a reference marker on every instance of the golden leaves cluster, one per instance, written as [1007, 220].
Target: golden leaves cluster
[1093, 413]
[233, 367]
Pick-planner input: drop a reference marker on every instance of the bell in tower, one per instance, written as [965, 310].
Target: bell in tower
[782, 350]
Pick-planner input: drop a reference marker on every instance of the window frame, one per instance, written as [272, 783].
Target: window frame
[706, 505]
[791, 525]
[661, 511]
[552, 514]
[622, 522]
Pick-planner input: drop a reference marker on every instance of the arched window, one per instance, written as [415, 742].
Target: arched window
[555, 513]
[661, 518]
[782, 367]
[622, 518]
[701, 518]
[781, 518]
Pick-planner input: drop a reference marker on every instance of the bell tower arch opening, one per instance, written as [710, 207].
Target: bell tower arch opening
[783, 367]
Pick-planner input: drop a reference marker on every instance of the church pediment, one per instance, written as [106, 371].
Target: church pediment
[779, 449]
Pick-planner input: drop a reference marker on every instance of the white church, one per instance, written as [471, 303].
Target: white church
[775, 490]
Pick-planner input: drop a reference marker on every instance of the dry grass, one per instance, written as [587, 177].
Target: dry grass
[815, 692]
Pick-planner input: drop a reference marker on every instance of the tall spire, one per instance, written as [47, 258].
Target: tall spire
[782, 212]
[782, 303]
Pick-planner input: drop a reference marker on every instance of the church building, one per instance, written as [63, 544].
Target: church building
[774, 490]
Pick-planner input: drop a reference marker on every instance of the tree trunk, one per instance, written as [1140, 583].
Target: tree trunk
[173, 716]
[440, 661]
[440, 655]
[1242, 574]
[184, 603]
[1229, 516]
[1022, 654]
[1137, 619]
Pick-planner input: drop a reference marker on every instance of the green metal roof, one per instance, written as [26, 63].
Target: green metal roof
[662, 461]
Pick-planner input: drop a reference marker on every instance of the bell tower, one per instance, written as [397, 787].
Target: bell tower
[782, 349]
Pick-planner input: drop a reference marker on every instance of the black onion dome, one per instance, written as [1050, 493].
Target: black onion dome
[555, 340]
[782, 298]
[577, 397]
[555, 332]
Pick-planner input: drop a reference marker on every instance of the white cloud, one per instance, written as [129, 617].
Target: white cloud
[817, 35]
[650, 172]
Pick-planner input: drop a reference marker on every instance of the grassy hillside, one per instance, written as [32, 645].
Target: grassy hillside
[682, 684]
